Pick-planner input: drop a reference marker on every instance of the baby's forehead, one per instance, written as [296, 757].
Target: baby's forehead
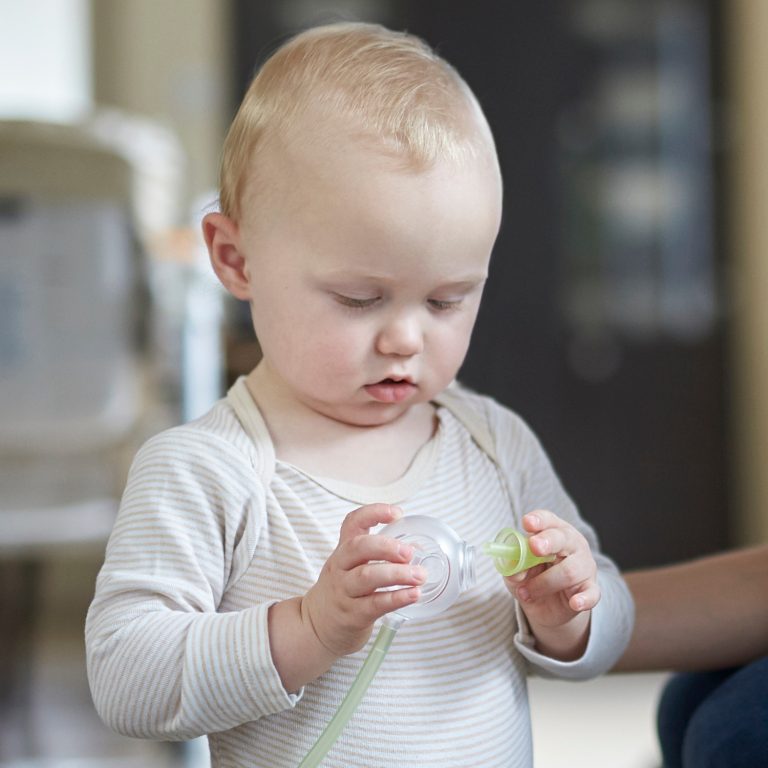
[319, 131]
[322, 154]
[337, 178]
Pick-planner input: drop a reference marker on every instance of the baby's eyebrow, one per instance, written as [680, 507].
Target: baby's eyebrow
[462, 284]
[465, 283]
[350, 274]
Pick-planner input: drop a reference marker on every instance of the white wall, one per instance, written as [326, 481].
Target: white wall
[45, 58]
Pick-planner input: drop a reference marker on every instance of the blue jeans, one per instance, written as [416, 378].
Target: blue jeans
[716, 719]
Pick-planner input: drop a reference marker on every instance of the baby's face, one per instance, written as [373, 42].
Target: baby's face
[365, 278]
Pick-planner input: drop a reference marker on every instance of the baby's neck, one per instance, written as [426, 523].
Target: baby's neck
[372, 456]
[324, 447]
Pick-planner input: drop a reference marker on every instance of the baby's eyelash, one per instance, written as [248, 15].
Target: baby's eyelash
[353, 303]
[439, 305]
[444, 305]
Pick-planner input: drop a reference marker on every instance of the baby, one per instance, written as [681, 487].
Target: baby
[360, 201]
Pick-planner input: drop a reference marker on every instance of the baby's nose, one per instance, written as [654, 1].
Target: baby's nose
[402, 336]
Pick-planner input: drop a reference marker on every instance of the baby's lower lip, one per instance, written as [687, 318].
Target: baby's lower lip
[389, 391]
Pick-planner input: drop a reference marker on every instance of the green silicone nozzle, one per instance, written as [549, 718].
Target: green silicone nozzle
[512, 554]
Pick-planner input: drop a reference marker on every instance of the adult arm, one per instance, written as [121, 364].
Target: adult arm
[703, 614]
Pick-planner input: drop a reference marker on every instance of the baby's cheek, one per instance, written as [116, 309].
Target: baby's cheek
[449, 354]
[338, 355]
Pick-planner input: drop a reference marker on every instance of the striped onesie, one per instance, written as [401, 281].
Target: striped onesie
[212, 530]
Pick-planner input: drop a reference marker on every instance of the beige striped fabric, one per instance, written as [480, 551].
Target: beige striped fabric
[210, 533]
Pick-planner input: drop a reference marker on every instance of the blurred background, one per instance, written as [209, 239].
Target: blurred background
[625, 317]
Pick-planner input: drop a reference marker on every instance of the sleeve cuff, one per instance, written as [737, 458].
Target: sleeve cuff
[257, 666]
[231, 677]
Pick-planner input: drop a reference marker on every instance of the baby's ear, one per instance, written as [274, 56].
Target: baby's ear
[223, 240]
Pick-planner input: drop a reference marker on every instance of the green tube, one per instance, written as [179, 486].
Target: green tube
[352, 699]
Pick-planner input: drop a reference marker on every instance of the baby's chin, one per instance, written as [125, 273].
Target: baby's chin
[372, 415]
[377, 416]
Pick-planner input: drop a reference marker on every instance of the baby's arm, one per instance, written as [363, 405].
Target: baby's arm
[557, 598]
[602, 630]
[164, 662]
[335, 618]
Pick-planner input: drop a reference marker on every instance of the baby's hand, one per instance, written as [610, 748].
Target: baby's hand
[344, 603]
[557, 597]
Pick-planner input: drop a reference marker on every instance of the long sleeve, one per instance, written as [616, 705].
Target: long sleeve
[534, 485]
[162, 662]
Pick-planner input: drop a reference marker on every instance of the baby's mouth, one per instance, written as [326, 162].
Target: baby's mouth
[391, 390]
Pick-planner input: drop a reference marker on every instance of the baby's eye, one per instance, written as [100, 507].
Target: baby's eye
[442, 305]
[354, 303]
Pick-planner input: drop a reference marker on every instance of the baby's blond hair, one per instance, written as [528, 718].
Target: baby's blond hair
[388, 85]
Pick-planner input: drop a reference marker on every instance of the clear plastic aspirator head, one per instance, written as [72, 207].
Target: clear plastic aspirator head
[448, 560]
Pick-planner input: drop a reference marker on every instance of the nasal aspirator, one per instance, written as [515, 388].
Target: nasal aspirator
[450, 565]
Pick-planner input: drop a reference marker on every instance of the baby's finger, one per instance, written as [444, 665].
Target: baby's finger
[363, 548]
[370, 577]
[551, 535]
[376, 605]
[585, 599]
[533, 522]
[561, 577]
[361, 520]
[539, 519]
[519, 578]
[562, 541]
